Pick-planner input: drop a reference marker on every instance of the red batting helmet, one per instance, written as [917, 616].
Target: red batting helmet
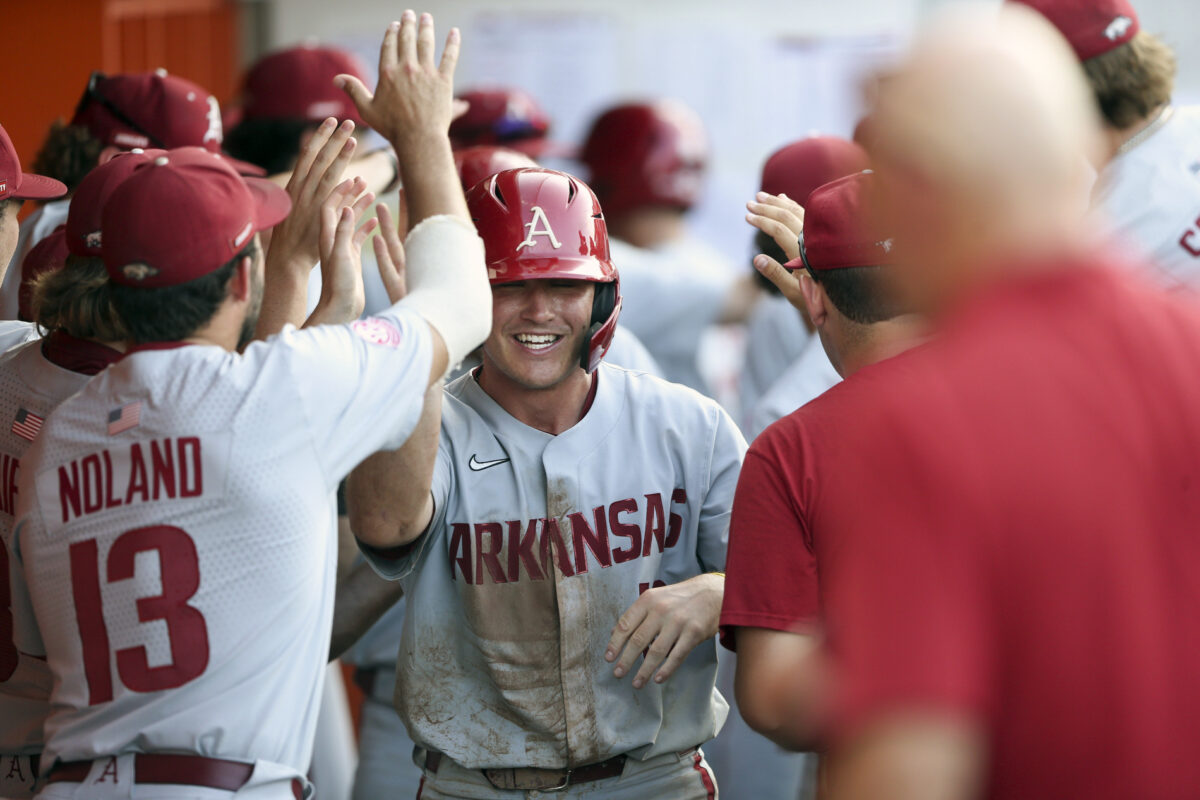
[646, 154]
[502, 116]
[538, 224]
[483, 161]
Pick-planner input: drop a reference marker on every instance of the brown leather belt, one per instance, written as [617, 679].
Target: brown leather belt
[214, 773]
[539, 779]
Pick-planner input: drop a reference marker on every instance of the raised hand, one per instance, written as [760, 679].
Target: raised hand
[414, 95]
[782, 219]
[389, 255]
[342, 294]
[412, 107]
[315, 181]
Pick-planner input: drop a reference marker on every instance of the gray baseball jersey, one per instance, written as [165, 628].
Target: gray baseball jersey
[670, 296]
[1151, 196]
[539, 543]
[810, 375]
[30, 388]
[175, 524]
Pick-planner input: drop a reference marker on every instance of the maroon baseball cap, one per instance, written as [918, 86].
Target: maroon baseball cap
[83, 233]
[842, 227]
[1092, 27]
[153, 109]
[297, 83]
[798, 168]
[23, 185]
[48, 255]
[182, 215]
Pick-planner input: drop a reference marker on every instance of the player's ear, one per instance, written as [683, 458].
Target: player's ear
[814, 298]
[241, 284]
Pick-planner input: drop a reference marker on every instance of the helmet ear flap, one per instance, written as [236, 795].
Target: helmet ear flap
[604, 302]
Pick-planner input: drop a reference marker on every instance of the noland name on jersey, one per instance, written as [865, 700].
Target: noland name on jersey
[138, 472]
[612, 534]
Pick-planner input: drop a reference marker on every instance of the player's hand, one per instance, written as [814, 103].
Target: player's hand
[389, 254]
[342, 294]
[315, 182]
[414, 97]
[669, 621]
[785, 280]
[779, 217]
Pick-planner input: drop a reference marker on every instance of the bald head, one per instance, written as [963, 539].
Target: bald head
[984, 132]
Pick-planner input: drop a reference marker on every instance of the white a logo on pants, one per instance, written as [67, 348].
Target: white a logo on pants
[532, 230]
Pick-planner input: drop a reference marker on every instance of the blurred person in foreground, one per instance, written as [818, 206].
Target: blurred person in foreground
[646, 163]
[1011, 613]
[1149, 184]
[780, 532]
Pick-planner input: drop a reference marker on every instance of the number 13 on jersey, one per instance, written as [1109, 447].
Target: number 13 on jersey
[187, 632]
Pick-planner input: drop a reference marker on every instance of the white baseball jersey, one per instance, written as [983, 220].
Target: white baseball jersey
[670, 296]
[775, 338]
[1151, 197]
[809, 376]
[175, 524]
[14, 333]
[30, 388]
[538, 544]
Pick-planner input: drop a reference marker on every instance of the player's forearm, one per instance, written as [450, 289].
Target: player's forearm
[285, 297]
[431, 184]
[780, 687]
[388, 494]
[362, 598]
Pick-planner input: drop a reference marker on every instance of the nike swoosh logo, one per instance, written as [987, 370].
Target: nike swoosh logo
[478, 466]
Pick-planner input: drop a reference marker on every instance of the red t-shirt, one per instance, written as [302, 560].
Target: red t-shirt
[1026, 546]
[793, 475]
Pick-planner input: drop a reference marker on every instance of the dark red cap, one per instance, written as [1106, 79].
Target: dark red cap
[182, 216]
[150, 109]
[842, 227]
[1092, 27]
[48, 255]
[798, 168]
[503, 116]
[83, 235]
[483, 161]
[297, 84]
[23, 185]
[153, 109]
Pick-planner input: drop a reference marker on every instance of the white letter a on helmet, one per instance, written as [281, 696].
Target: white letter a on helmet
[532, 230]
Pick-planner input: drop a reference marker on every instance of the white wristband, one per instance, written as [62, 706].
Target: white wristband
[448, 282]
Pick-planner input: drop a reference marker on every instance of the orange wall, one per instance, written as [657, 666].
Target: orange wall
[51, 46]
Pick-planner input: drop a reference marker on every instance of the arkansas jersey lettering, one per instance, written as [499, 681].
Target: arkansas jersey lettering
[179, 468]
[1190, 240]
[507, 552]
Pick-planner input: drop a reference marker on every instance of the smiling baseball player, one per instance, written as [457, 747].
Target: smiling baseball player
[175, 517]
[566, 533]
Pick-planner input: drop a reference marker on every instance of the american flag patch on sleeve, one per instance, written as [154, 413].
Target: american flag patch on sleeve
[123, 418]
[27, 424]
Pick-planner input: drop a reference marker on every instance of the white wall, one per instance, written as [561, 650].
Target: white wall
[760, 73]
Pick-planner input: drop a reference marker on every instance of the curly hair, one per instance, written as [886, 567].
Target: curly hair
[68, 153]
[77, 299]
[1132, 80]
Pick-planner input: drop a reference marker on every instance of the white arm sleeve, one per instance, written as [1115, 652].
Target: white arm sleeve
[448, 282]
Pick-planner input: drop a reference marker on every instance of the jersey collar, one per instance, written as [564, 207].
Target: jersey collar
[78, 355]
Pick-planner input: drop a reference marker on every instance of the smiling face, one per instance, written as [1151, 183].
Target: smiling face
[539, 330]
